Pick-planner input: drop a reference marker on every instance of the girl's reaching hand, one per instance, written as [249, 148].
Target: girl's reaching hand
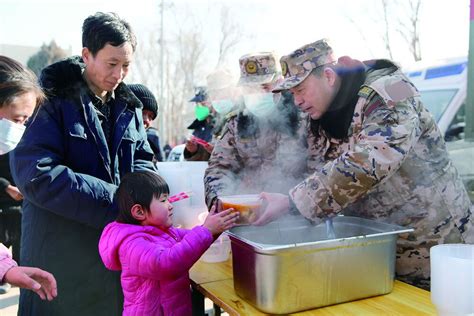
[217, 222]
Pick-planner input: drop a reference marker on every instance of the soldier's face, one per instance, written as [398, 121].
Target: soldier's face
[314, 94]
[108, 67]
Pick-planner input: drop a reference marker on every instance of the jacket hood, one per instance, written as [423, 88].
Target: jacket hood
[377, 68]
[64, 79]
[114, 235]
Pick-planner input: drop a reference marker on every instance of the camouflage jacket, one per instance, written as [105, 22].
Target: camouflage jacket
[255, 155]
[392, 167]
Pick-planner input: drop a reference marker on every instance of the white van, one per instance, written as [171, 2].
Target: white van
[443, 88]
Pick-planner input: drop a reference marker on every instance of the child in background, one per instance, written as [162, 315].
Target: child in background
[155, 257]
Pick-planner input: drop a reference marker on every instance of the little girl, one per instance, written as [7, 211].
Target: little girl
[155, 257]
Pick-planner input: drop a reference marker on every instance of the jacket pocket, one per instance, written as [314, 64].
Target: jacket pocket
[78, 131]
[131, 136]
[127, 150]
[80, 141]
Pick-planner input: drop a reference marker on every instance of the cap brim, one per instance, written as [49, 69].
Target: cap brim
[197, 99]
[253, 80]
[289, 83]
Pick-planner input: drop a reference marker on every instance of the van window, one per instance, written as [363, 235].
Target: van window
[455, 130]
[437, 100]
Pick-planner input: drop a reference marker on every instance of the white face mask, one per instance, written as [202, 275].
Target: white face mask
[222, 106]
[10, 135]
[260, 104]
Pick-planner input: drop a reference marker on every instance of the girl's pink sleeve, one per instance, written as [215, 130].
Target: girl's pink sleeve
[6, 262]
[154, 261]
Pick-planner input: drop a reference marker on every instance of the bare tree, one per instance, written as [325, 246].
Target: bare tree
[407, 24]
[146, 65]
[185, 53]
[181, 69]
[410, 30]
[231, 34]
[386, 36]
[361, 33]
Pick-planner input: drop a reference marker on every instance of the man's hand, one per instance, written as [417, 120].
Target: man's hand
[209, 148]
[14, 192]
[39, 281]
[276, 205]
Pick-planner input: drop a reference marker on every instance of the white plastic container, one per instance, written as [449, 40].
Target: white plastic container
[452, 279]
[185, 176]
[219, 250]
[248, 205]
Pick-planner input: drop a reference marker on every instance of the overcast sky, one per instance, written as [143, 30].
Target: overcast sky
[279, 25]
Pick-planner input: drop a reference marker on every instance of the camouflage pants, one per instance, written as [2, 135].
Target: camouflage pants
[413, 253]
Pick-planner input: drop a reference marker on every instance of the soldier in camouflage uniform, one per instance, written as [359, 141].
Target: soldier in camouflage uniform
[223, 96]
[375, 152]
[263, 145]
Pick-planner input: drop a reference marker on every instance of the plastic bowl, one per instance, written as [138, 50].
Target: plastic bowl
[247, 205]
[452, 279]
[218, 251]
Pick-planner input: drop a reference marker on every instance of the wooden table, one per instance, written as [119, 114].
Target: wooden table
[215, 281]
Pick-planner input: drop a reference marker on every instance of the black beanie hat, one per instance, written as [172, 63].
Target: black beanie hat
[146, 97]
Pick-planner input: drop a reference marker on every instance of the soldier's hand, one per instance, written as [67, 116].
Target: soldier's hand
[276, 205]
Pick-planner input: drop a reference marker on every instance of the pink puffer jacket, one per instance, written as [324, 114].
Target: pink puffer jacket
[6, 262]
[154, 265]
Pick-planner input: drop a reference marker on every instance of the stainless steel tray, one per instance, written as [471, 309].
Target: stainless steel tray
[290, 265]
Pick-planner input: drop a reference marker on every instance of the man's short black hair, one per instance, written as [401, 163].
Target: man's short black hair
[106, 28]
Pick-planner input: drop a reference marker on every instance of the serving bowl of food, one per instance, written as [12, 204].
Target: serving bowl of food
[248, 205]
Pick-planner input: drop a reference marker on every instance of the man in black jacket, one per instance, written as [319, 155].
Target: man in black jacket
[150, 112]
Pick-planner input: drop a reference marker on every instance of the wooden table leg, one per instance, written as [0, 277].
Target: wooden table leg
[217, 310]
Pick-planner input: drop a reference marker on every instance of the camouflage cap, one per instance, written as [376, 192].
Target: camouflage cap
[258, 68]
[219, 79]
[299, 64]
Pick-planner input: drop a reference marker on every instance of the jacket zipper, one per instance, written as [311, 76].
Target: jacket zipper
[96, 142]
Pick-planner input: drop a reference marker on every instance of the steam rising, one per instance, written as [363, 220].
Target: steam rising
[272, 150]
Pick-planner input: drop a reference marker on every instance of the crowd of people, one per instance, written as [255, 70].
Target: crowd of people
[315, 134]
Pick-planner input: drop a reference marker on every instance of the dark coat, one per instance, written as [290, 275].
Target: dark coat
[69, 175]
[202, 129]
[154, 141]
[5, 180]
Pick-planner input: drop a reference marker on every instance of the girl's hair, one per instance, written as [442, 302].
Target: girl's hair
[16, 80]
[138, 188]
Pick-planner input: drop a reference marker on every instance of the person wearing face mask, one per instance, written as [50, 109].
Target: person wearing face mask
[68, 165]
[379, 153]
[202, 127]
[19, 96]
[213, 111]
[263, 144]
